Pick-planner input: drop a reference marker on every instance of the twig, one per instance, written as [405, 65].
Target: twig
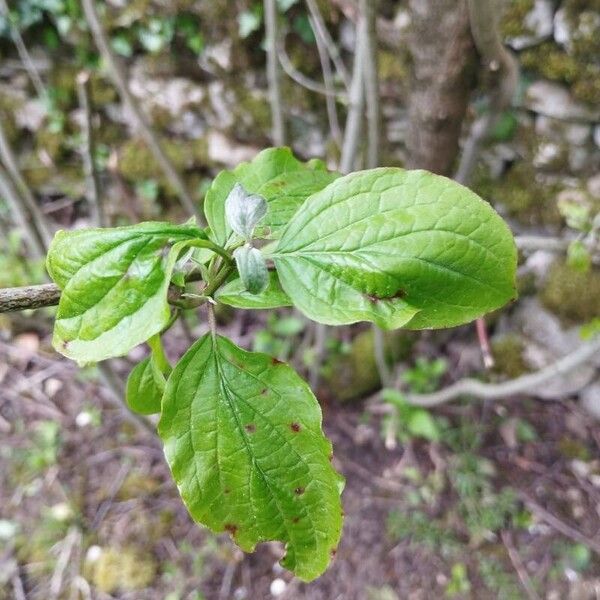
[119, 78]
[21, 216]
[56, 582]
[356, 102]
[320, 340]
[560, 525]
[94, 198]
[368, 9]
[39, 86]
[517, 563]
[538, 242]
[273, 74]
[330, 102]
[323, 33]
[303, 80]
[27, 198]
[502, 73]
[520, 385]
[484, 343]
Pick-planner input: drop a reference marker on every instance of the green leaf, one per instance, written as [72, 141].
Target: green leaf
[399, 248]
[144, 391]
[235, 294]
[114, 286]
[252, 269]
[243, 211]
[422, 424]
[276, 175]
[243, 439]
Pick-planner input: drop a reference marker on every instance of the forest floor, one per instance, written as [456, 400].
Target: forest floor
[505, 505]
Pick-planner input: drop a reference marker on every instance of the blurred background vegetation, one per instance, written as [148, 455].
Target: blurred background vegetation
[473, 499]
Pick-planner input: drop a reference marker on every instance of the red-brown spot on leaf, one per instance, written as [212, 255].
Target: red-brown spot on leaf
[265, 391]
[299, 491]
[333, 552]
[231, 528]
[250, 427]
[276, 361]
[295, 427]
[296, 520]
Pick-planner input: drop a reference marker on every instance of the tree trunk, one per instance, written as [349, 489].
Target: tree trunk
[444, 69]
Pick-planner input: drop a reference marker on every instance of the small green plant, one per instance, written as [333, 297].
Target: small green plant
[241, 430]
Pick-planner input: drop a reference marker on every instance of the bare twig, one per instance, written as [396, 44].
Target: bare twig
[26, 196]
[323, 33]
[24, 55]
[356, 102]
[330, 101]
[94, 197]
[303, 80]
[484, 343]
[559, 525]
[56, 582]
[21, 216]
[273, 74]
[520, 385]
[517, 563]
[537, 242]
[119, 78]
[368, 10]
[502, 73]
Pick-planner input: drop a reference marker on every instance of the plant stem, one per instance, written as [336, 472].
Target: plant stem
[273, 74]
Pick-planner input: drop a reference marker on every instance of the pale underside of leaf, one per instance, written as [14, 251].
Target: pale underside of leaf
[377, 245]
[242, 435]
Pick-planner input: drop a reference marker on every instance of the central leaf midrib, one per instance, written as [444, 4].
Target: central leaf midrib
[267, 481]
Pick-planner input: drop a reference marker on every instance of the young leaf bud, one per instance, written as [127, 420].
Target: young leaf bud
[252, 269]
[243, 211]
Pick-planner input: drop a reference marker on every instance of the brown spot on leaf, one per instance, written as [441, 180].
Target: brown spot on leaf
[299, 491]
[231, 528]
[296, 520]
[250, 427]
[226, 491]
[375, 298]
[295, 427]
[333, 552]
[276, 361]
[330, 457]
[264, 392]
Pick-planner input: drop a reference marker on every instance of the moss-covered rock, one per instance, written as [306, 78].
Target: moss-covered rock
[508, 353]
[122, 570]
[354, 375]
[572, 295]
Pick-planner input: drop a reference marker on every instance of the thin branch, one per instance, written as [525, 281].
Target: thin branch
[119, 78]
[538, 242]
[330, 102]
[322, 32]
[356, 102]
[517, 563]
[368, 9]
[94, 197]
[7, 157]
[521, 385]
[30, 297]
[303, 80]
[502, 72]
[21, 216]
[24, 55]
[273, 74]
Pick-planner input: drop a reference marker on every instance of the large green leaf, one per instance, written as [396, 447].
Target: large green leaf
[242, 435]
[399, 248]
[114, 286]
[235, 294]
[283, 180]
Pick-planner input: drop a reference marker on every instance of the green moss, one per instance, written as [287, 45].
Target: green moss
[573, 449]
[511, 24]
[51, 143]
[354, 375]
[136, 161]
[122, 569]
[393, 66]
[508, 355]
[101, 91]
[520, 191]
[572, 295]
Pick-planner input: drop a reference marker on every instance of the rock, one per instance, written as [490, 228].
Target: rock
[545, 342]
[548, 155]
[553, 100]
[589, 399]
[593, 186]
[562, 28]
[219, 55]
[30, 114]
[539, 21]
[223, 151]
